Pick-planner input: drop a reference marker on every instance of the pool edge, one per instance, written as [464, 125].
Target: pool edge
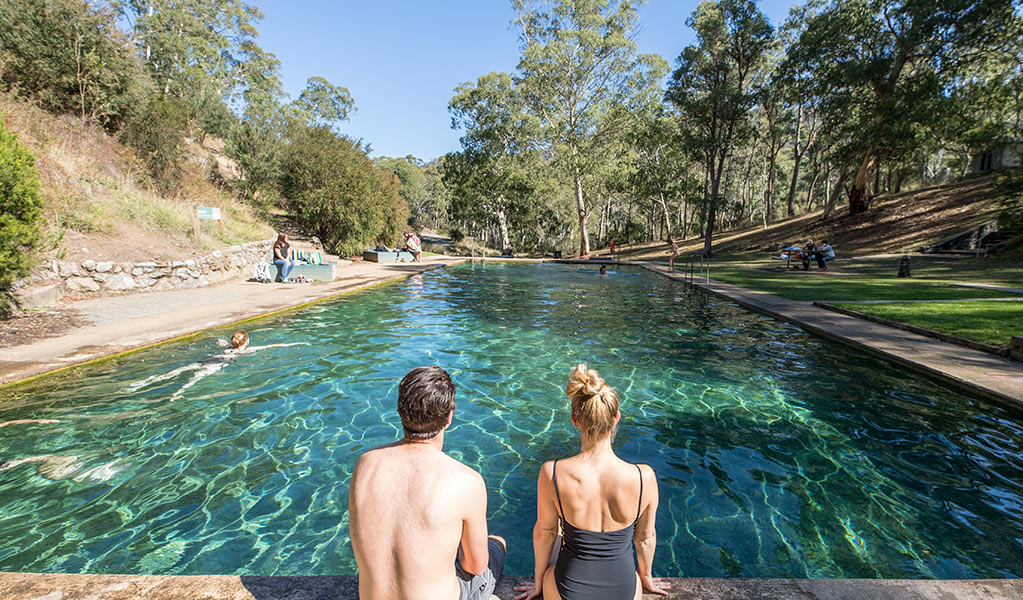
[49, 586]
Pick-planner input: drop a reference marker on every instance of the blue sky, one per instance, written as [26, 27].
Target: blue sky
[401, 59]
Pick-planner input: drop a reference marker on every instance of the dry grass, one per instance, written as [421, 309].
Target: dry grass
[99, 196]
[896, 223]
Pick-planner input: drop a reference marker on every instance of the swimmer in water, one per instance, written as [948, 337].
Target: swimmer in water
[603, 270]
[239, 345]
[26, 421]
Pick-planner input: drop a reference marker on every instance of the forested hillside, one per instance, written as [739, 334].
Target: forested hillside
[131, 112]
[845, 101]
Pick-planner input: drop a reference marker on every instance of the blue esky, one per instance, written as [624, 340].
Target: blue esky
[401, 59]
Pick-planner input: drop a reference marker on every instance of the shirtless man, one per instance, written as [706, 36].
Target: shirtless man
[418, 518]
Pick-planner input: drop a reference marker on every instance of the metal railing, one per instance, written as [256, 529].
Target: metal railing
[694, 267]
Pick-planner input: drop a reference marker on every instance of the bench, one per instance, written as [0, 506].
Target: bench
[387, 257]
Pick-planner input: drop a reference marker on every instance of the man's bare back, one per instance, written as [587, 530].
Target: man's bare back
[410, 507]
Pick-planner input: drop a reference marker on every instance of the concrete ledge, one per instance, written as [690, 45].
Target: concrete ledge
[36, 586]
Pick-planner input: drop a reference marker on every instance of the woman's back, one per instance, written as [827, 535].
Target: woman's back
[600, 507]
[601, 494]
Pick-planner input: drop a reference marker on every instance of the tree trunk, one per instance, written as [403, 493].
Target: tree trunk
[813, 184]
[667, 218]
[584, 236]
[790, 210]
[502, 224]
[836, 191]
[859, 198]
[901, 178]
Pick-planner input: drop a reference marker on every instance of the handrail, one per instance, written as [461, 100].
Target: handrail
[692, 272]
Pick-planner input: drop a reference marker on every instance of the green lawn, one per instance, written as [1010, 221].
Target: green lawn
[850, 280]
[988, 322]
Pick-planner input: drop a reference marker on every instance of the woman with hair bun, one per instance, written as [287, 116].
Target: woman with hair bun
[602, 506]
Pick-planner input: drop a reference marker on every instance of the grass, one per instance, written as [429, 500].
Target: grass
[933, 279]
[987, 322]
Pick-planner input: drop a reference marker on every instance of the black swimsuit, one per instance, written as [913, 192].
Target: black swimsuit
[596, 565]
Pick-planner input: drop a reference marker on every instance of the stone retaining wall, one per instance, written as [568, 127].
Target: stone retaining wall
[108, 276]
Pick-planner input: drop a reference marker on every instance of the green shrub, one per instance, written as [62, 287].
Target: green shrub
[158, 136]
[337, 193]
[21, 208]
[70, 57]
[456, 235]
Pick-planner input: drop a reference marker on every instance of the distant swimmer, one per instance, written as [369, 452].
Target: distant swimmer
[59, 468]
[239, 345]
[27, 421]
[603, 270]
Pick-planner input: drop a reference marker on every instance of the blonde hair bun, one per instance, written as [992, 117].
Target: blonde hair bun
[594, 402]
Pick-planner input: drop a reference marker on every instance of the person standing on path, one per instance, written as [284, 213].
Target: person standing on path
[417, 517]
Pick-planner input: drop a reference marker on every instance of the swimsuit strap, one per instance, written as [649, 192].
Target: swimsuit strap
[639, 508]
[554, 476]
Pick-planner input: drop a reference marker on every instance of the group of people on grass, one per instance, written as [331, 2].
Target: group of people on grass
[417, 516]
[822, 253]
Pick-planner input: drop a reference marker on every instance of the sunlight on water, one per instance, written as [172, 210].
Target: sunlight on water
[779, 454]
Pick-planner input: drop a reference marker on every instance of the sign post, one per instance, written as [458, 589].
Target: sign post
[210, 213]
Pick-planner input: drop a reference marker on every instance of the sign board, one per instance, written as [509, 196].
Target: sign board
[208, 212]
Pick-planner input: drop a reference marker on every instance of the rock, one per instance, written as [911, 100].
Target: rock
[190, 263]
[126, 267]
[162, 285]
[181, 273]
[120, 282]
[101, 276]
[81, 284]
[68, 269]
[40, 296]
[104, 267]
[144, 282]
[137, 271]
[89, 265]
[190, 284]
[195, 273]
[203, 282]
[176, 264]
[146, 265]
[158, 273]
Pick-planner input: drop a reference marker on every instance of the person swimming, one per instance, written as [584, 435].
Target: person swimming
[238, 345]
[603, 270]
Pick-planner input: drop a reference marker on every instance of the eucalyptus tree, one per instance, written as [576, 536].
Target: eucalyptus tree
[492, 172]
[661, 166]
[882, 69]
[581, 76]
[714, 89]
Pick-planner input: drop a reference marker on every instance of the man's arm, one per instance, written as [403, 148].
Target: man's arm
[473, 548]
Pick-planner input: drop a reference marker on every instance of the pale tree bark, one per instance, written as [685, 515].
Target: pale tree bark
[836, 193]
[667, 217]
[584, 236]
[502, 224]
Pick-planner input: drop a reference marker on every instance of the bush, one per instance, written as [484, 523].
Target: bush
[21, 207]
[338, 195]
[158, 136]
[456, 235]
[70, 57]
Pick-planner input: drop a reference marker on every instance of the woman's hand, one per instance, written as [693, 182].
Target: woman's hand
[655, 585]
[530, 588]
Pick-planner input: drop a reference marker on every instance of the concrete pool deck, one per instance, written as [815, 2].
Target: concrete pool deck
[979, 371]
[38, 586]
[117, 324]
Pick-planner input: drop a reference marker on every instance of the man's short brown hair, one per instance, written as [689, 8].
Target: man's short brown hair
[426, 396]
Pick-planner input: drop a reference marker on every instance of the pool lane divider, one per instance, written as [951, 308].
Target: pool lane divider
[11, 385]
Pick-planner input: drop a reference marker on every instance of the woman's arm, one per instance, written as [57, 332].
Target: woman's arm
[645, 537]
[545, 532]
[277, 253]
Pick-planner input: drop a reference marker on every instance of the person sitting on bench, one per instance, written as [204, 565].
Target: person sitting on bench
[824, 254]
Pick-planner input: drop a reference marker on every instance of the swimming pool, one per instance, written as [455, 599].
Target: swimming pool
[779, 453]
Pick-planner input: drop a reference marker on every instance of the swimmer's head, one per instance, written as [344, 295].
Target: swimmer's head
[239, 340]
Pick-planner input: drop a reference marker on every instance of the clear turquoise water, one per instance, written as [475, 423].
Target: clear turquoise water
[779, 453]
